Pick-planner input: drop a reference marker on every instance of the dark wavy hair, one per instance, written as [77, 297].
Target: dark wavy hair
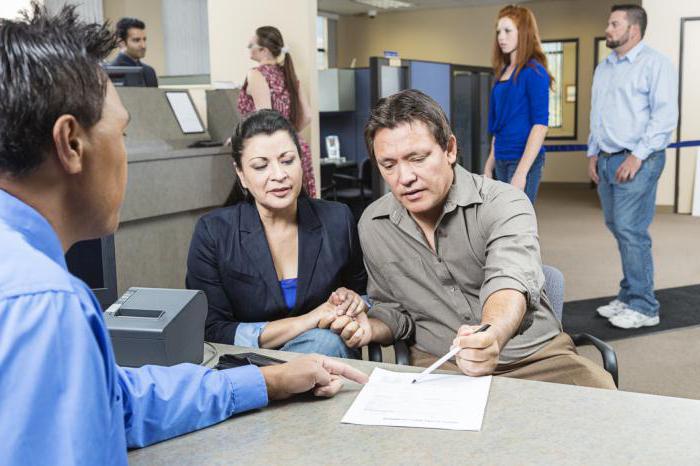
[407, 106]
[261, 122]
[49, 66]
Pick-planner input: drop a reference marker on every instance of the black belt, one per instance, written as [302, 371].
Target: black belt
[620, 152]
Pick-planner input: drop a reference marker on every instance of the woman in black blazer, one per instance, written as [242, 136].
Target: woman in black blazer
[276, 265]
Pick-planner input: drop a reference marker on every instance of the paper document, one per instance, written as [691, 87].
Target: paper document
[439, 401]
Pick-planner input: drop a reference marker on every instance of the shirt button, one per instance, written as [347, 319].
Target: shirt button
[453, 289]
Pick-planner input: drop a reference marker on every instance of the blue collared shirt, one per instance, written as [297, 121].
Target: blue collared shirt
[634, 104]
[63, 399]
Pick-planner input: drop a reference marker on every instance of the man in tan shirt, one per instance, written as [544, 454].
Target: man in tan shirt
[446, 251]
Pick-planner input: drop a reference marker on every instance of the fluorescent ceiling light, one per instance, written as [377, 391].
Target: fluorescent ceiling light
[385, 4]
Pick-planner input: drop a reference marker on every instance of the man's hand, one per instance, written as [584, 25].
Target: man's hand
[519, 180]
[321, 374]
[347, 302]
[356, 331]
[479, 354]
[593, 168]
[628, 169]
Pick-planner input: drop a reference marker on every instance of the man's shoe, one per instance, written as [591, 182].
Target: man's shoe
[611, 309]
[629, 318]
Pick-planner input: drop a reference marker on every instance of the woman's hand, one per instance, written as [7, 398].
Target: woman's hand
[347, 302]
[488, 167]
[519, 180]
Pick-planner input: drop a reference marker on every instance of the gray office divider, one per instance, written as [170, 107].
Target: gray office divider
[222, 113]
[432, 78]
[170, 186]
[384, 81]
[471, 89]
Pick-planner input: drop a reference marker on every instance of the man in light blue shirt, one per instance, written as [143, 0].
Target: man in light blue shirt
[634, 111]
[63, 399]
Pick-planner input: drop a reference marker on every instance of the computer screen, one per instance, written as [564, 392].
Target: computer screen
[126, 76]
[185, 113]
[93, 261]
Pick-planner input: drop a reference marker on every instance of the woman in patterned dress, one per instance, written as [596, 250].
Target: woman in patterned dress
[274, 84]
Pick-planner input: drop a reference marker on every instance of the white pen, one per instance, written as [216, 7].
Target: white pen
[449, 355]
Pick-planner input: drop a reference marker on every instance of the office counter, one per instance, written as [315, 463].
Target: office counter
[525, 423]
[170, 185]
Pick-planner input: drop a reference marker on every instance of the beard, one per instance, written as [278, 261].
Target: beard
[613, 44]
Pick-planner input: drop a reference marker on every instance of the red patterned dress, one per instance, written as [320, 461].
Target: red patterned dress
[274, 75]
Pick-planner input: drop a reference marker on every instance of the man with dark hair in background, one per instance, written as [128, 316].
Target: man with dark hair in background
[634, 110]
[131, 33]
[63, 399]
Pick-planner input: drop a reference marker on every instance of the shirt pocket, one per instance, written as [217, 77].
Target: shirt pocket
[411, 286]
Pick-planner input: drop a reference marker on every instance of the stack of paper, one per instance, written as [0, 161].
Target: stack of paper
[438, 401]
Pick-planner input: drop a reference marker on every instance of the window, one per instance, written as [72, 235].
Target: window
[555, 52]
[562, 62]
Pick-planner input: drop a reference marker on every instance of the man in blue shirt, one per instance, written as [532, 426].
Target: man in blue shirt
[63, 399]
[634, 110]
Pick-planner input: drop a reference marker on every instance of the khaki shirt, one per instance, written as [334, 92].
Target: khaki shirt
[486, 240]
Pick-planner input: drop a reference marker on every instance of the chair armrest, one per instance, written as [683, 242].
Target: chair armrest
[374, 352]
[341, 176]
[402, 354]
[606, 351]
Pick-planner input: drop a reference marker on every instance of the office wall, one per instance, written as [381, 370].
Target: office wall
[663, 33]
[465, 35]
[232, 24]
[150, 12]
[9, 8]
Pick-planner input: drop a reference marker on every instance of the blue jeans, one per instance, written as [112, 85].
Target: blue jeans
[504, 170]
[321, 341]
[629, 209]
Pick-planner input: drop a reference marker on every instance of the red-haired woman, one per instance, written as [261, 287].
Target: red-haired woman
[274, 84]
[519, 107]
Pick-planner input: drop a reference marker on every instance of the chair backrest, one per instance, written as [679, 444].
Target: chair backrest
[327, 171]
[366, 173]
[554, 287]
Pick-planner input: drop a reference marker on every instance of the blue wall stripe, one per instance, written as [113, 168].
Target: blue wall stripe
[584, 147]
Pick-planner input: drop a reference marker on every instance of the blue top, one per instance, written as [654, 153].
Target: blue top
[634, 103]
[289, 290]
[516, 105]
[63, 399]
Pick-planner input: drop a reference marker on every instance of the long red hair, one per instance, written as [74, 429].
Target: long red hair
[529, 44]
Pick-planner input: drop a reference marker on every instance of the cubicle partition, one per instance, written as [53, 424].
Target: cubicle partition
[462, 91]
[170, 185]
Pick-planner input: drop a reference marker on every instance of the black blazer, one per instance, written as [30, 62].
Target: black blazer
[149, 74]
[230, 261]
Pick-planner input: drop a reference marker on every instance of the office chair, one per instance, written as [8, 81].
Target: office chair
[328, 186]
[554, 287]
[355, 187]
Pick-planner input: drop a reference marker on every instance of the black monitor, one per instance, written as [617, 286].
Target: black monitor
[126, 76]
[93, 261]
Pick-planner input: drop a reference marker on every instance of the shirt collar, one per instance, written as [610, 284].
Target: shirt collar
[132, 60]
[32, 225]
[463, 192]
[631, 56]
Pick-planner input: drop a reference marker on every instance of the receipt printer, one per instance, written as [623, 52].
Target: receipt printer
[157, 326]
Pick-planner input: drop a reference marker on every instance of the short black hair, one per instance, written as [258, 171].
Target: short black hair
[405, 107]
[49, 66]
[124, 24]
[635, 15]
